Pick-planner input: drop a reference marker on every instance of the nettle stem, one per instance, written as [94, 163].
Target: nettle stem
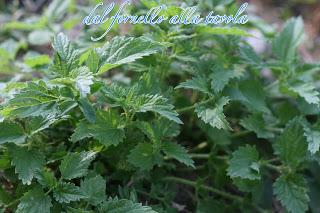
[12, 203]
[50, 190]
[268, 165]
[208, 188]
[223, 194]
[18, 200]
[207, 156]
[200, 146]
[185, 109]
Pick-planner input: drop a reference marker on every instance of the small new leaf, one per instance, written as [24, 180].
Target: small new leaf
[313, 138]
[66, 58]
[220, 77]
[214, 116]
[177, 152]
[93, 61]
[157, 104]
[199, 83]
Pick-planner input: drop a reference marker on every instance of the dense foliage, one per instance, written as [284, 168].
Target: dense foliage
[105, 127]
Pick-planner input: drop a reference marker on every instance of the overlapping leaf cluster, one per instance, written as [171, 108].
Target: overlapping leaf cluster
[39, 105]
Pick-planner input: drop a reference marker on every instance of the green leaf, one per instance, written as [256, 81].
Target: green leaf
[257, 124]
[133, 100]
[291, 146]
[46, 178]
[158, 104]
[249, 56]
[158, 129]
[39, 123]
[245, 163]
[143, 156]
[168, 128]
[94, 189]
[251, 94]
[87, 109]
[252, 186]
[26, 163]
[123, 50]
[313, 139]
[106, 130]
[34, 201]
[306, 91]
[83, 80]
[36, 99]
[151, 130]
[67, 192]
[177, 152]
[214, 116]
[220, 77]
[286, 42]
[66, 57]
[93, 61]
[292, 193]
[11, 133]
[75, 165]
[114, 205]
[199, 83]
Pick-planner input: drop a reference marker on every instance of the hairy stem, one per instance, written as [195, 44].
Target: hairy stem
[223, 194]
[185, 109]
[208, 188]
[207, 156]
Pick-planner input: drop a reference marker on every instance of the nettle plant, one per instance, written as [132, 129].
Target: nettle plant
[99, 115]
[82, 140]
